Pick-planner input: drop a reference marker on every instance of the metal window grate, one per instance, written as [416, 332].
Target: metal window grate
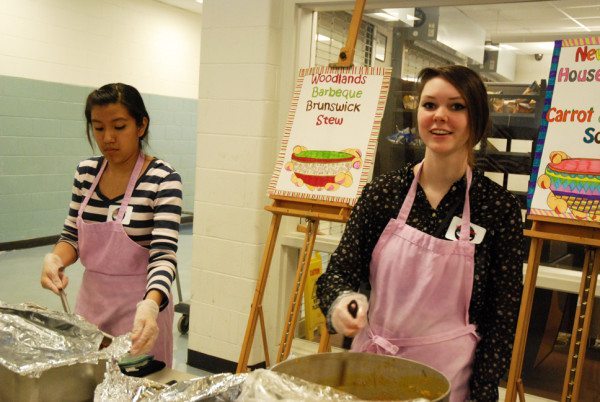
[332, 32]
[415, 58]
[369, 40]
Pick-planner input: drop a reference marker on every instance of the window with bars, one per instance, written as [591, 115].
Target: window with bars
[415, 58]
[332, 32]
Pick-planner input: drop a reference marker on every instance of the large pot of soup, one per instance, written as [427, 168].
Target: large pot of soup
[370, 376]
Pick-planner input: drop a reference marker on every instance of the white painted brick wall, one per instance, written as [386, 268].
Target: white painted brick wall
[244, 81]
[253, 118]
[145, 43]
[240, 154]
[244, 225]
[247, 189]
[236, 151]
[239, 15]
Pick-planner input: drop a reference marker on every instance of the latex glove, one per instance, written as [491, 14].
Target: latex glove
[53, 273]
[341, 319]
[145, 327]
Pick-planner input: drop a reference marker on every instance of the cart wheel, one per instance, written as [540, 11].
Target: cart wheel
[184, 324]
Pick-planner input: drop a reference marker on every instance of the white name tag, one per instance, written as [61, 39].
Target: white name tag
[453, 233]
[113, 211]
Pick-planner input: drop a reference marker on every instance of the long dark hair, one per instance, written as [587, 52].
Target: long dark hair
[124, 94]
[470, 85]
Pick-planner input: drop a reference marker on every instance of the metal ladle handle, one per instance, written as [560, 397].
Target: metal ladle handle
[64, 301]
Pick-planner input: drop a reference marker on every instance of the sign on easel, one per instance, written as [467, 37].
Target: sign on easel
[331, 133]
[564, 196]
[326, 154]
[565, 179]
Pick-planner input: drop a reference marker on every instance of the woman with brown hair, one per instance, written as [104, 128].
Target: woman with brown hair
[440, 245]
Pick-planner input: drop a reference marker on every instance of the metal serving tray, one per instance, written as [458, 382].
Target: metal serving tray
[59, 384]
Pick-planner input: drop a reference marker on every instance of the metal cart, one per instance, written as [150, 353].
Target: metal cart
[183, 325]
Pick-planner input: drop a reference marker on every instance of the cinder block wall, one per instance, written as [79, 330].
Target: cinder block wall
[41, 141]
[237, 145]
[42, 138]
[52, 54]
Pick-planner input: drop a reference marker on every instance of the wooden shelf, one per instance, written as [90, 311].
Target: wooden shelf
[514, 96]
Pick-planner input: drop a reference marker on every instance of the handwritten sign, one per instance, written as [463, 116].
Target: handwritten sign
[331, 133]
[565, 179]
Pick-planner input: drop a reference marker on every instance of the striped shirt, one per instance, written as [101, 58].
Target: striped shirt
[154, 223]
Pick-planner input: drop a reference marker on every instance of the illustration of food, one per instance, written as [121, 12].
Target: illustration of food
[574, 185]
[327, 170]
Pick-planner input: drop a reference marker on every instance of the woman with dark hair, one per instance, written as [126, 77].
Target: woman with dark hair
[123, 223]
[440, 245]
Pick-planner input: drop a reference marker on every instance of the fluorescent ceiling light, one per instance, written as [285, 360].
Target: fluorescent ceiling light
[572, 19]
[199, 1]
[323, 38]
[402, 14]
[385, 17]
[489, 46]
[406, 15]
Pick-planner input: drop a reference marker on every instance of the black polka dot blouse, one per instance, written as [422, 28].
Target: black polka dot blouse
[499, 259]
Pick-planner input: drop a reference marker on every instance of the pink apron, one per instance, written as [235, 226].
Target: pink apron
[115, 275]
[419, 303]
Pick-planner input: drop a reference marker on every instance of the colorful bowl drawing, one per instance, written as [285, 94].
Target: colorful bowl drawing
[318, 169]
[573, 183]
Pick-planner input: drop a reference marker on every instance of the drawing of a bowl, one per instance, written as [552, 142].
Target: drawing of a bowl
[577, 181]
[317, 168]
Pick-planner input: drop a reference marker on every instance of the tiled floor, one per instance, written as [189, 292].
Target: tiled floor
[20, 282]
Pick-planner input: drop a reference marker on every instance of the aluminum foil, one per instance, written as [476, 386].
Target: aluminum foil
[34, 339]
[266, 385]
[259, 385]
[215, 388]
[118, 387]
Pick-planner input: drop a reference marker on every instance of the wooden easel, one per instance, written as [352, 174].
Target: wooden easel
[313, 211]
[578, 232]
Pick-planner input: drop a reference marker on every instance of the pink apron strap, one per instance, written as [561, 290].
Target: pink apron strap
[435, 338]
[130, 186]
[92, 188]
[392, 345]
[410, 196]
[465, 226]
[380, 342]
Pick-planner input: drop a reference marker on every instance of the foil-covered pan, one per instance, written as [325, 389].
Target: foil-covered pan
[117, 387]
[51, 356]
[257, 386]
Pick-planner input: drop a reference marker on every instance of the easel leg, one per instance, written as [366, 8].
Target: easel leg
[297, 292]
[263, 331]
[324, 341]
[520, 390]
[259, 291]
[516, 363]
[581, 325]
